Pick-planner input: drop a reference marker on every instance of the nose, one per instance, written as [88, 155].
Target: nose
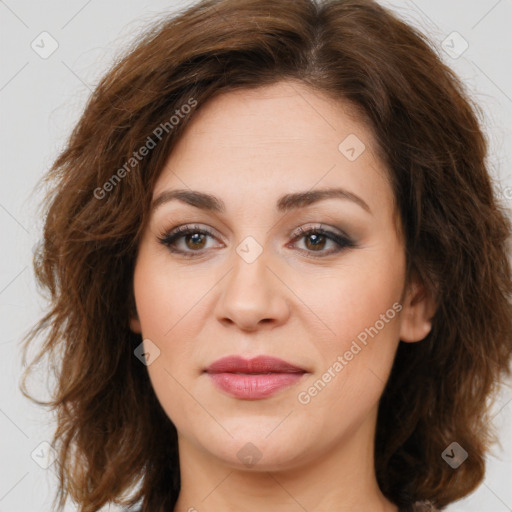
[252, 296]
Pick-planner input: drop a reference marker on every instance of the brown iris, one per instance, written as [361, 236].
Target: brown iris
[198, 240]
[318, 241]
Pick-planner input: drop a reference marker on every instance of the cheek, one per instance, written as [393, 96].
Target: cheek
[169, 305]
[347, 301]
[152, 300]
[163, 296]
[162, 304]
[358, 310]
[354, 361]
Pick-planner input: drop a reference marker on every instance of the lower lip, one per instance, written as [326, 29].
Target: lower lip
[255, 386]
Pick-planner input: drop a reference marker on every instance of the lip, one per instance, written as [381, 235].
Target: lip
[253, 379]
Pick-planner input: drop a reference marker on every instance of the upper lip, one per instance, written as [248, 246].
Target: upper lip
[259, 364]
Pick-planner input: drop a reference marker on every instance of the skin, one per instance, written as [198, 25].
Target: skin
[248, 148]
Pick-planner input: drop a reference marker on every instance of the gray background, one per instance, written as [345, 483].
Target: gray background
[42, 98]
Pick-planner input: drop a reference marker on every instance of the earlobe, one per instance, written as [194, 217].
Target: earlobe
[417, 313]
[135, 325]
[134, 321]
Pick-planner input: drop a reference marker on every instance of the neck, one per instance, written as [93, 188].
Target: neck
[341, 479]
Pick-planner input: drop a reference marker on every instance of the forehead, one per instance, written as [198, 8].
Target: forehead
[271, 140]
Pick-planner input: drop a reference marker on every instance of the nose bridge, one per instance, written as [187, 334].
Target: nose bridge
[250, 269]
[251, 292]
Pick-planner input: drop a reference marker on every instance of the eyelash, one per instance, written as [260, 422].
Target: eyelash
[169, 239]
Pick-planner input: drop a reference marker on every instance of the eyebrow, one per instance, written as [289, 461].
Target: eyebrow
[285, 203]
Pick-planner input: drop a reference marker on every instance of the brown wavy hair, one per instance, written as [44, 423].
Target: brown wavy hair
[114, 442]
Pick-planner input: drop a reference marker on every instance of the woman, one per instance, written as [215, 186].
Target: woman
[278, 271]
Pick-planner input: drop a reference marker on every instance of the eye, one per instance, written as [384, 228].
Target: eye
[316, 239]
[191, 241]
[193, 238]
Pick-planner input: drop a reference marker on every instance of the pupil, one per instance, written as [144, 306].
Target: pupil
[196, 239]
[318, 239]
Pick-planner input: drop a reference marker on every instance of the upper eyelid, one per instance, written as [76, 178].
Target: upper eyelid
[296, 232]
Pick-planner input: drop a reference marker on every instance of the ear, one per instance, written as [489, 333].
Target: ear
[135, 324]
[134, 321]
[417, 312]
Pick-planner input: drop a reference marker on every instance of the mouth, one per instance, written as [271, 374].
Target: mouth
[253, 379]
[256, 365]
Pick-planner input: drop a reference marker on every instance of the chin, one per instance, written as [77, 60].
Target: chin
[252, 450]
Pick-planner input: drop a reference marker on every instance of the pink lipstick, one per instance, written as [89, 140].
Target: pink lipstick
[253, 379]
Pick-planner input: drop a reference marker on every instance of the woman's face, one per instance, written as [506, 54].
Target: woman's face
[255, 277]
